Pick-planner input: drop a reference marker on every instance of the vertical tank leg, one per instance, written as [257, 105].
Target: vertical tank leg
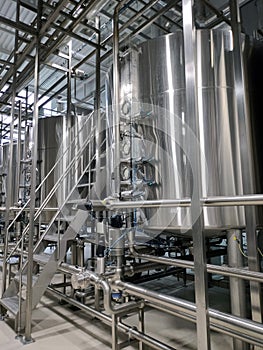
[141, 326]
[237, 287]
[114, 332]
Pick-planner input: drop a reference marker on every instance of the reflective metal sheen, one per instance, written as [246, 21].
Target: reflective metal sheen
[154, 156]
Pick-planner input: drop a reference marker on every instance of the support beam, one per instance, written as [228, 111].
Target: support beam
[201, 293]
[237, 286]
[246, 159]
[29, 290]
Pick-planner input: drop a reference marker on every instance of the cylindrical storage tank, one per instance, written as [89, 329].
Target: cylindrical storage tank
[17, 190]
[155, 129]
[61, 144]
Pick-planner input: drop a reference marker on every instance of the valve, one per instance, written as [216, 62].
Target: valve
[116, 221]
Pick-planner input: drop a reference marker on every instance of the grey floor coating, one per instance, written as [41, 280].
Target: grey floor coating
[59, 327]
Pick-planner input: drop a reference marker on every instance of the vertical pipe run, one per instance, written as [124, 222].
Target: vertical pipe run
[246, 161]
[11, 151]
[114, 332]
[201, 293]
[18, 162]
[237, 286]
[141, 327]
[116, 103]
[29, 291]
[69, 74]
[97, 113]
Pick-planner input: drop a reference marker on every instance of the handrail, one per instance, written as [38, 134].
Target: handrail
[58, 212]
[63, 204]
[48, 174]
[55, 187]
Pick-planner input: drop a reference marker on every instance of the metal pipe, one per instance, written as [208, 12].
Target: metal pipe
[246, 330]
[97, 112]
[219, 14]
[105, 41]
[114, 332]
[10, 156]
[132, 19]
[112, 205]
[131, 331]
[141, 326]
[213, 201]
[18, 160]
[216, 269]
[237, 287]
[225, 201]
[142, 27]
[91, 277]
[247, 161]
[30, 248]
[116, 103]
[61, 178]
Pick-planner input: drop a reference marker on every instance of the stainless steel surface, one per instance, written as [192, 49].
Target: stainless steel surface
[246, 158]
[167, 92]
[33, 177]
[153, 100]
[237, 286]
[237, 327]
[216, 269]
[197, 220]
[146, 339]
[116, 96]
[60, 140]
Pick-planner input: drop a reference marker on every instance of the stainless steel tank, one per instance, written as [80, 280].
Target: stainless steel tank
[154, 129]
[60, 140]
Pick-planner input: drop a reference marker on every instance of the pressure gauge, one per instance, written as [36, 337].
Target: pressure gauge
[125, 173]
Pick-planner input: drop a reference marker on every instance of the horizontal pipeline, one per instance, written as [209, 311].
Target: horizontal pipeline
[243, 329]
[131, 331]
[223, 270]
[240, 328]
[215, 201]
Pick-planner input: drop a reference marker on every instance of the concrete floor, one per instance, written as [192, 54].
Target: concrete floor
[60, 327]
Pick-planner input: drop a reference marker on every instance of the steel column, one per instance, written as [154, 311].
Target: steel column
[18, 159]
[29, 291]
[201, 293]
[246, 160]
[10, 156]
[141, 326]
[114, 332]
[237, 287]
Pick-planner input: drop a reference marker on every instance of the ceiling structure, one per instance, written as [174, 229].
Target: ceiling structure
[68, 33]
